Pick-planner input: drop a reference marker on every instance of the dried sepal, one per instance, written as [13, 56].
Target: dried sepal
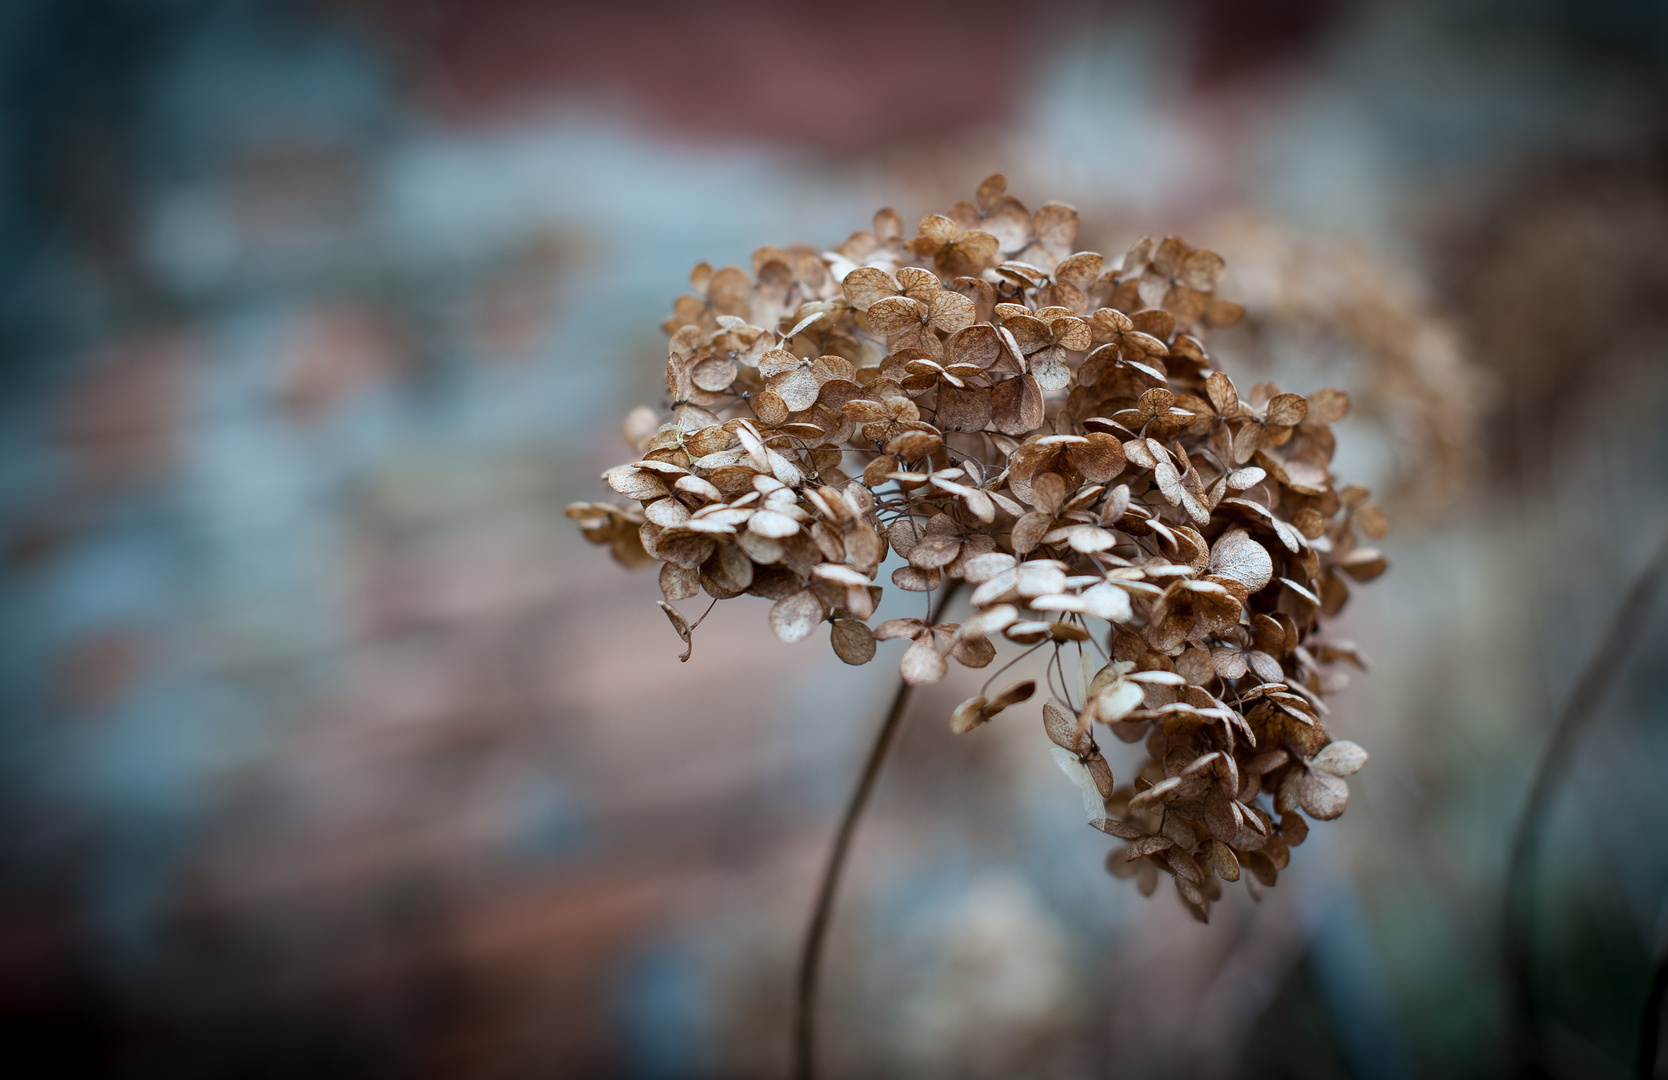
[1322, 795]
[794, 617]
[681, 625]
[853, 641]
[922, 663]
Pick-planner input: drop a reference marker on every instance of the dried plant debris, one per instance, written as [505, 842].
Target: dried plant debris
[1420, 383]
[995, 406]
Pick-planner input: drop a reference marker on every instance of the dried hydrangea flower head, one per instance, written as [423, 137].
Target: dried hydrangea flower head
[1045, 426]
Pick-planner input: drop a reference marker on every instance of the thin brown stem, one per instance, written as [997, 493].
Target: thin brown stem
[1578, 711]
[822, 913]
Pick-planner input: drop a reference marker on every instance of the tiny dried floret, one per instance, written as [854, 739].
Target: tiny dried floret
[1045, 425]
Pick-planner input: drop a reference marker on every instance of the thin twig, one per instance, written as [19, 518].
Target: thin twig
[822, 914]
[1578, 711]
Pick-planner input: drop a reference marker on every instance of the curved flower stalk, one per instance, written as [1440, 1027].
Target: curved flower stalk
[1045, 425]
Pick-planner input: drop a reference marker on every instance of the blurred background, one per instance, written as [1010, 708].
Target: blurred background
[329, 748]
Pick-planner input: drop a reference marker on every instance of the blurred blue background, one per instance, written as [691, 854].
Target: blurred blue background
[328, 748]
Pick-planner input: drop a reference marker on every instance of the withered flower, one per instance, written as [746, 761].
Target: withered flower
[1046, 427]
[1419, 382]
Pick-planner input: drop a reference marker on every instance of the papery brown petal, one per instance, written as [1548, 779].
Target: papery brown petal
[936, 230]
[667, 512]
[874, 473]
[1168, 480]
[1286, 410]
[1071, 333]
[968, 715]
[853, 641]
[681, 625]
[797, 388]
[981, 506]
[1007, 407]
[1261, 867]
[770, 582]
[934, 552]
[1081, 269]
[868, 284]
[689, 550]
[1049, 368]
[1201, 270]
[1340, 758]
[977, 345]
[1266, 667]
[970, 254]
[991, 188]
[950, 312]
[1013, 695]
[1222, 394]
[1100, 771]
[1235, 555]
[634, 483]
[914, 579]
[1048, 493]
[1030, 402]
[1196, 666]
[1223, 313]
[1223, 862]
[1363, 564]
[904, 534]
[864, 547]
[1309, 523]
[1186, 869]
[864, 411]
[1061, 728]
[1230, 663]
[896, 313]
[1322, 795]
[888, 225]
[1056, 225]
[963, 408]
[982, 568]
[772, 524]
[1372, 522]
[715, 373]
[922, 663]
[975, 652]
[1029, 333]
[730, 291]
[794, 617]
[769, 407]
[912, 446]
[731, 568]
[1100, 459]
[677, 582]
[919, 284]
[1327, 406]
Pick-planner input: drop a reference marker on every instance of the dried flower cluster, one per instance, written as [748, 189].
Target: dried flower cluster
[1002, 410]
[1341, 303]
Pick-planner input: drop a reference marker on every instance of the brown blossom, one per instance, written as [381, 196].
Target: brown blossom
[991, 406]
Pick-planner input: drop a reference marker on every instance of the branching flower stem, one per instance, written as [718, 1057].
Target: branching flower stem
[822, 912]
